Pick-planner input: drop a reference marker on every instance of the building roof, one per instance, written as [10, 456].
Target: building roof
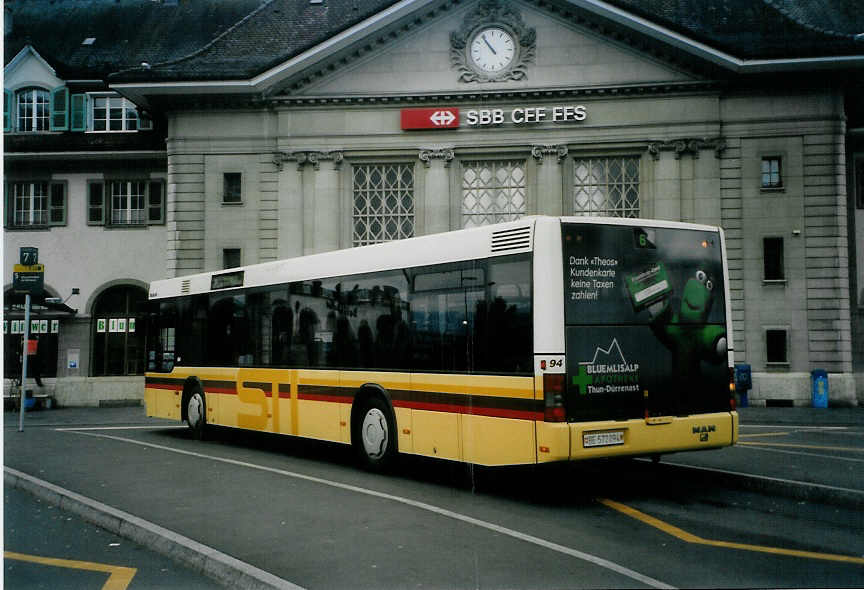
[201, 40]
[123, 33]
[761, 29]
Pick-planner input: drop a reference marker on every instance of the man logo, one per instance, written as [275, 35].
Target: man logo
[703, 431]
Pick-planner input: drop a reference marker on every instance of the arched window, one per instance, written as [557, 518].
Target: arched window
[34, 109]
[118, 339]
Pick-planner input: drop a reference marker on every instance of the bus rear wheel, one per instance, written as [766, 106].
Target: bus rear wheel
[196, 416]
[374, 434]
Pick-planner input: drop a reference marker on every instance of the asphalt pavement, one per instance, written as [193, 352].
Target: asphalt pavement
[780, 452]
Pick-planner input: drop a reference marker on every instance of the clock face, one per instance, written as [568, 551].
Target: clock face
[492, 50]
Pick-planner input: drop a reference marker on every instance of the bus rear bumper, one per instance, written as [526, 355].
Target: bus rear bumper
[576, 441]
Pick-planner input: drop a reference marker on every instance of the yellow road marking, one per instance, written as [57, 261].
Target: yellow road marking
[763, 434]
[797, 446]
[118, 579]
[691, 538]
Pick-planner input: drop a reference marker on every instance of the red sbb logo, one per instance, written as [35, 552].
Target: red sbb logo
[440, 118]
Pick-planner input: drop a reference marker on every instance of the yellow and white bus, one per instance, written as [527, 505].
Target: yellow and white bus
[538, 340]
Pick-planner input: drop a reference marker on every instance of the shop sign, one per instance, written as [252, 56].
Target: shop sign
[439, 118]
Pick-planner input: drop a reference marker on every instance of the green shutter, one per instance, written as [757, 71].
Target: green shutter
[156, 203]
[60, 109]
[78, 112]
[7, 111]
[57, 203]
[96, 203]
[145, 122]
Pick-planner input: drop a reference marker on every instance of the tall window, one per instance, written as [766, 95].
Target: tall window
[232, 187]
[776, 346]
[33, 109]
[35, 204]
[606, 186]
[492, 191]
[772, 258]
[383, 203]
[118, 344]
[771, 172]
[114, 113]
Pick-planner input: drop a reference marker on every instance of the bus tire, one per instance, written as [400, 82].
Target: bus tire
[196, 413]
[374, 434]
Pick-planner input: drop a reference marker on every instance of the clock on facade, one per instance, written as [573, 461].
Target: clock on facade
[492, 50]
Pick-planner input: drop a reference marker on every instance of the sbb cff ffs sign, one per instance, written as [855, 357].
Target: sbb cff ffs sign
[439, 118]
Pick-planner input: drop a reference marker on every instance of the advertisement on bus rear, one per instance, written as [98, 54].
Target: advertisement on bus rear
[646, 326]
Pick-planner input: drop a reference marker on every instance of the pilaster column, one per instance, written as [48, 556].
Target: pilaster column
[436, 198]
[550, 184]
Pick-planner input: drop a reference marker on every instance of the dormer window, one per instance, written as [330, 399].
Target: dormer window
[113, 114]
[33, 112]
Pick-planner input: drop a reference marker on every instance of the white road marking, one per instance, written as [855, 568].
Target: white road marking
[599, 561]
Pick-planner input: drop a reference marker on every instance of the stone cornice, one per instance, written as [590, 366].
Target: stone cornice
[623, 91]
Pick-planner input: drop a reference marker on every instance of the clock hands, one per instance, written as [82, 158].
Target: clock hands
[489, 45]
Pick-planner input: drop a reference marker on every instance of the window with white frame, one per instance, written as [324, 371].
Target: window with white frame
[35, 204]
[383, 203]
[113, 114]
[33, 109]
[606, 186]
[493, 191]
[126, 202]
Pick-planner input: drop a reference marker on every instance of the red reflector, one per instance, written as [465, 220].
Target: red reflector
[554, 415]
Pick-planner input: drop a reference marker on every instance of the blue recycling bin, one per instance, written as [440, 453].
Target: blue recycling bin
[819, 382]
[743, 384]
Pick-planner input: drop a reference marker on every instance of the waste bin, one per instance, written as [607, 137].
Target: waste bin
[743, 384]
[819, 382]
[29, 400]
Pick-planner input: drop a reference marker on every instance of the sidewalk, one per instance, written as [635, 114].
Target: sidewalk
[803, 416]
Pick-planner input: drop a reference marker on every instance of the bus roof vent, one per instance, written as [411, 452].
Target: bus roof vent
[186, 286]
[506, 240]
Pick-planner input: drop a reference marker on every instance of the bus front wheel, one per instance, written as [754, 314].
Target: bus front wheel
[196, 416]
[374, 434]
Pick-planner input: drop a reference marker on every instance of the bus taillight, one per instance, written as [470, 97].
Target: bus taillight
[553, 396]
[732, 402]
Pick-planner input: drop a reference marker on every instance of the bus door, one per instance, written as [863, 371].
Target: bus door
[645, 322]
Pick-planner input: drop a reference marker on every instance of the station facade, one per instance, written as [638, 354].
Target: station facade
[424, 116]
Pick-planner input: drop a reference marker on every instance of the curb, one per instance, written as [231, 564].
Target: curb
[223, 568]
[797, 490]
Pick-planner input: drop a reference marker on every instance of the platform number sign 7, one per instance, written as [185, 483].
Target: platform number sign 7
[29, 256]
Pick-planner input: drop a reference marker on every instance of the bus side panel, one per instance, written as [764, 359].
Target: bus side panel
[437, 434]
[318, 399]
[497, 441]
[163, 403]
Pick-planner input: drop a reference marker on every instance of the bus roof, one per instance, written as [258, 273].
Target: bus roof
[466, 244]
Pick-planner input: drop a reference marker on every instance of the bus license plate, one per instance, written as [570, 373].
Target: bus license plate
[602, 439]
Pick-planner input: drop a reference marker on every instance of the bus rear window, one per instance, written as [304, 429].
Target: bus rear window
[627, 275]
